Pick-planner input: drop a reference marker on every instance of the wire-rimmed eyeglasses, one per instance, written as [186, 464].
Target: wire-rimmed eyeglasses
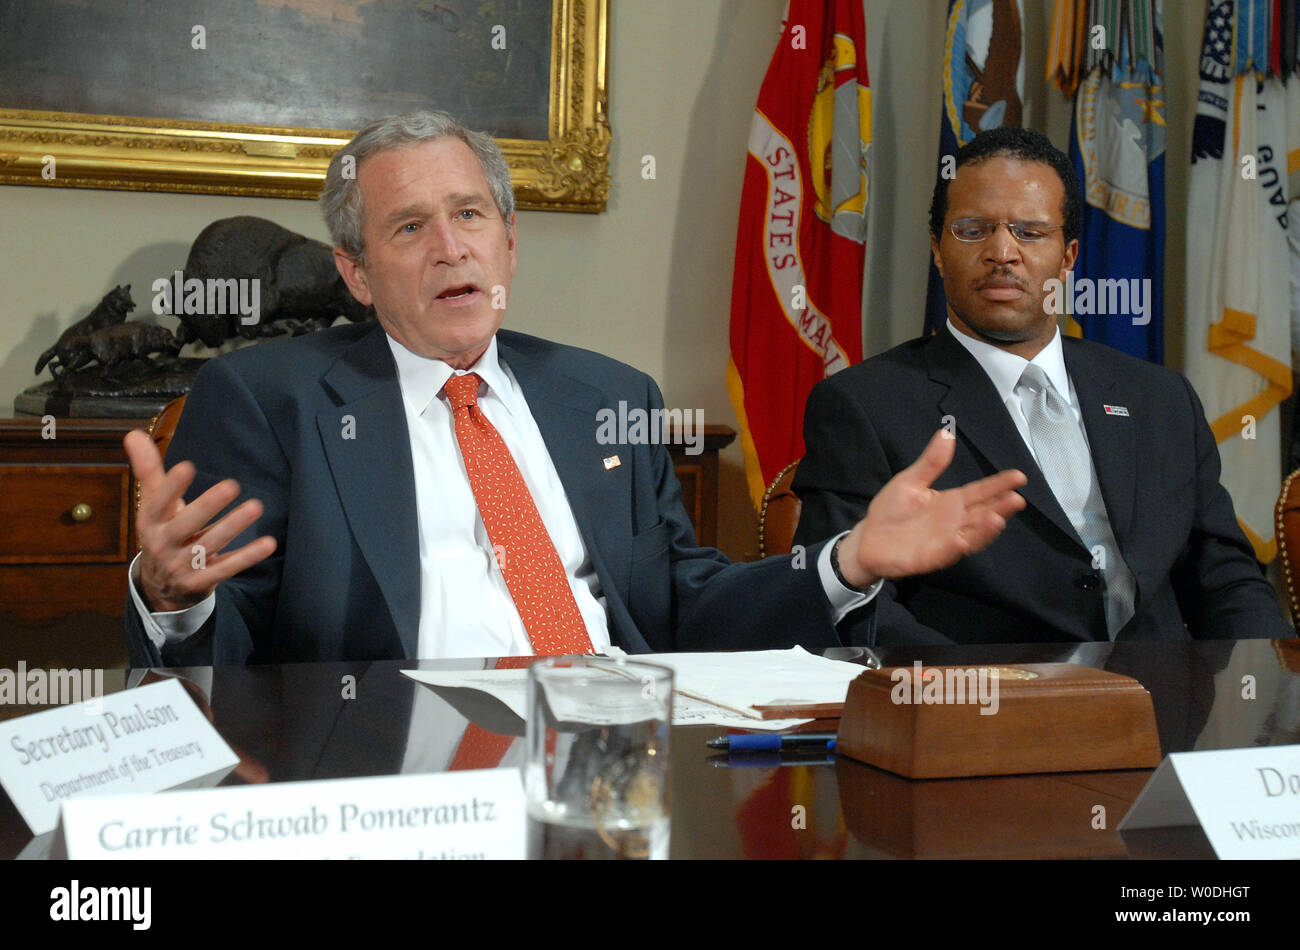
[975, 230]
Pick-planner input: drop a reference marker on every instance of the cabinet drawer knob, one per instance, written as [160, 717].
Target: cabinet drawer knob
[81, 512]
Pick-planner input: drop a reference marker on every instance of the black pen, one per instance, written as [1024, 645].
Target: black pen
[769, 741]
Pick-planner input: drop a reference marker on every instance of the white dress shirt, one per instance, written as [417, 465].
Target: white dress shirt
[465, 607]
[1005, 369]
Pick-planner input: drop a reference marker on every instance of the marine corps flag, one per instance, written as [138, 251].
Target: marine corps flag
[796, 296]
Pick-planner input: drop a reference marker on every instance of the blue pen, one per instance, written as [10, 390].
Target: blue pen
[768, 760]
[768, 742]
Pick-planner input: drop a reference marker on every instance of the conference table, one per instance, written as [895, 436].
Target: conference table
[309, 721]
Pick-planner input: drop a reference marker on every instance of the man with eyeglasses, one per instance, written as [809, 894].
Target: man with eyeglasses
[1127, 533]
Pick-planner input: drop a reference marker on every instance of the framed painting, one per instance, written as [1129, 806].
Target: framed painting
[252, 97]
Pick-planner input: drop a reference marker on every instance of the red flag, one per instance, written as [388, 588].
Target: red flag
[796, 297]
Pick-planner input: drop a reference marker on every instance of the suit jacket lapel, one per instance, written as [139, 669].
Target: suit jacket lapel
[565, 410]
[1112, 440]
[983, 421]
[374, 475]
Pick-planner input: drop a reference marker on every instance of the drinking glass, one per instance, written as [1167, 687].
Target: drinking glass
[596, 775]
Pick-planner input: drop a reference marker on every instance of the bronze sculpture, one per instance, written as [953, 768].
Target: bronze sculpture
[299, 287]
[115, 347]
[117, 303]
[279, 282]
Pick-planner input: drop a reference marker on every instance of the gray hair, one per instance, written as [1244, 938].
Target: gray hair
[341, 197]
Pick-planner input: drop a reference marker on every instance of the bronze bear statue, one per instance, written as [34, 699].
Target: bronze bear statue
[300, 288]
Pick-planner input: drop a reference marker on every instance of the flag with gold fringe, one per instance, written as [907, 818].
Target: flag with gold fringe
[1107, 54]
[1244, 146]
[796, 299]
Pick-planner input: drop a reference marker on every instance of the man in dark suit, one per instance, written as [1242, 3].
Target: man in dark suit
[433, 486]
[1127, 533]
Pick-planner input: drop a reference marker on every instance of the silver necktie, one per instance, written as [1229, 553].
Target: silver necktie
[1063, 456]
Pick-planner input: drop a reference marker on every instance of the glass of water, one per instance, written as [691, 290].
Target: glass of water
[596, 776]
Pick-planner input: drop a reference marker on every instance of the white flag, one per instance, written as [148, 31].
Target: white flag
[1238, 293]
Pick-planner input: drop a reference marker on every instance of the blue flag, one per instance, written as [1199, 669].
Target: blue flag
[983, 88]
[1117, 145]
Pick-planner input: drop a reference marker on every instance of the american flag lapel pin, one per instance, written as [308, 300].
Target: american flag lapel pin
[612, 462]
[1115, 410]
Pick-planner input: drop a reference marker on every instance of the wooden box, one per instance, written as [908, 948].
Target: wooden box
[1064, 815]
[951, 721]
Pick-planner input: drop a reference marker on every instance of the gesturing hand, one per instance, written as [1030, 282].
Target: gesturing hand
[169, 529]
[912, 529]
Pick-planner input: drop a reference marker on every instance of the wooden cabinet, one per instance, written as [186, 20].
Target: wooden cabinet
[65, 531]
[66, 535]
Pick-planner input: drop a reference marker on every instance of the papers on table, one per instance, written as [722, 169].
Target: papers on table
[740, 681]
[712, 688]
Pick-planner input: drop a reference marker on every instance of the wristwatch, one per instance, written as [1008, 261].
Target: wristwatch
[839, 575]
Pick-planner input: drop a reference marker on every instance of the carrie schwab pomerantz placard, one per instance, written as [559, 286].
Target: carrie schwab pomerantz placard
[446, 816]
[137, 741]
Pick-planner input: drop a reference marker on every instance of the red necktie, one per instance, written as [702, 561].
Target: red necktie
[478, 748]
[525, 553]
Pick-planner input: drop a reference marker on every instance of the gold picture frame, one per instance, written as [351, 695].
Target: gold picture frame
[568, 171]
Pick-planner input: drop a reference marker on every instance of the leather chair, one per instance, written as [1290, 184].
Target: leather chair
[779, 515]
[1286, 519]
[161, 429]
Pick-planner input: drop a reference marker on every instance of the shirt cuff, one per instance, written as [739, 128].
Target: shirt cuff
[844, 600]
[168, 626]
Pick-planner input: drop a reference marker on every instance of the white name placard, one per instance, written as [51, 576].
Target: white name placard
[137, 741]
[450, 815]
[1247, 801]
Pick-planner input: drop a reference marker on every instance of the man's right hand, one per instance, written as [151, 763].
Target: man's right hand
[169, 530]
[912, 529]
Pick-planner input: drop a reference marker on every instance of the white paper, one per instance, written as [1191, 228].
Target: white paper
[1247, 801]
[711, 688]
[445, 816]
[137, 741]
[688, 711]
[740, 681]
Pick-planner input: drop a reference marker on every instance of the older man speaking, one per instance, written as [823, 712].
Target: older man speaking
[432, 485]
